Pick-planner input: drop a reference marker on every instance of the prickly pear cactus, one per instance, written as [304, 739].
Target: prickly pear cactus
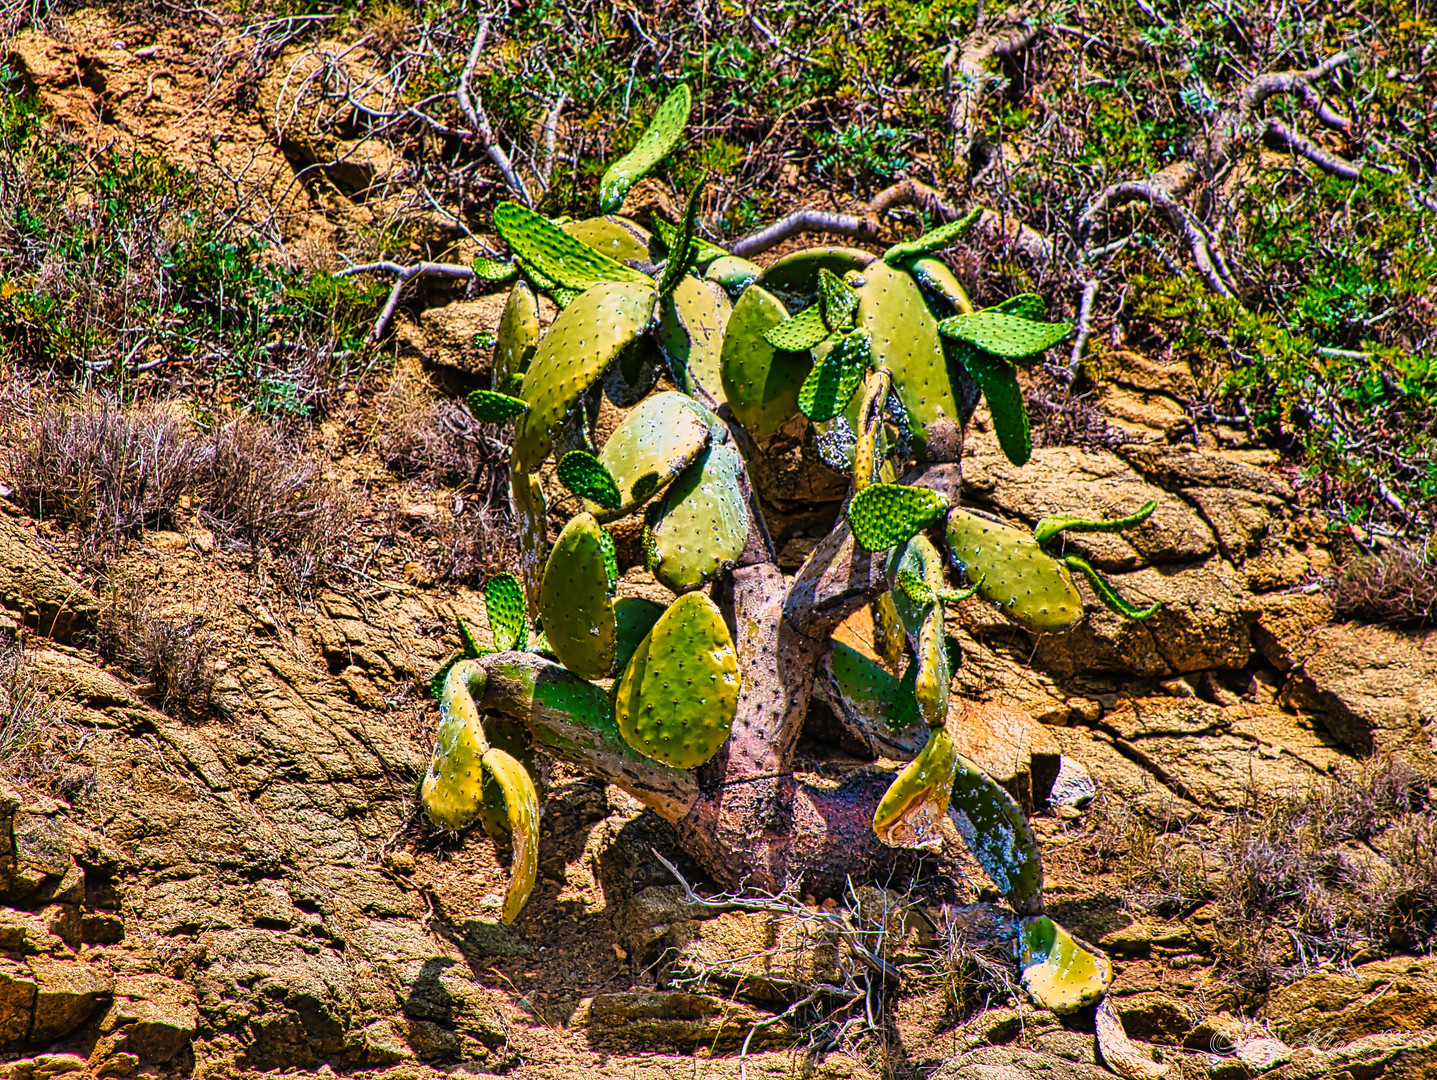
[709, 363]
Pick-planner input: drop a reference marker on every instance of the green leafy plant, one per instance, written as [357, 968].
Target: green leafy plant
[882, 357]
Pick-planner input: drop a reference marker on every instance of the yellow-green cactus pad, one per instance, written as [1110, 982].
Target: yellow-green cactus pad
[704, 252]
[618, 238]
[933, 240]
[574, 601]
[701, 523]
[504, 603]
[547, 248]
[882, 515]
[760, 383]
[661, 136]
[1013, 573]
[521, 803]
[452, 791]
[489, 407]
[906, 342]
[998, 835]
[934, 277]
[583, 340]
[517, 338]
[492, 270]
[919, 565]
[691, 332]
[834, 379]
[1025, 305]
[655, 442]
[932, 676]
[798, 273]
[733, 274]
[911, 811]
[889, 639]
[679, 694]
[837, 300]
[530, 508]
[875, 699]
[1009, 336]
[1058, 973]
[799, 332]
[585, 476]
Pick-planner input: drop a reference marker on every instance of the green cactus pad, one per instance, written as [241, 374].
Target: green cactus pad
[683, 251]
[1009, 336]
[618, 238]
[1110, 596]
[999, 836]
[802, 331]
[1058, 973]
[504, 602]
[516, 339]
[870, 446]
[882, 515]
[634, 617]
[702, 521]
[583, 340]
[610, 555]
[911, 811]
[915, 589]
[489, 407]
[832, 382]
[889, 639]
[837, 301]
[521, 802]
[798, 273]
[760, 383]
[948, 297]
[452, 791]
[733, 274]
[564, 296]
[574, 601]
[966, 391]
[906, 342]
[704, 252]
[585, 476]
[691, 334]
[933, 240]
[919, 565]
[1025, 305]
[652, 445]
[677, 698]
[1050, 527]
[526, 499]
[932, 677]
[472, 648]
[948, 597]
[1013, 573]
[661, 136]
[632, 374]
[547, 248]
[492, 270]
[999, 383]
[875, 699]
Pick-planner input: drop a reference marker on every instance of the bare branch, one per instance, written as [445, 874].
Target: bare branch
[473, 110]
[404, 274]
[807, 220]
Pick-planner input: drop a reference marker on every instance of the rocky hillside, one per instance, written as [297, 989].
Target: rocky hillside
[214, 714]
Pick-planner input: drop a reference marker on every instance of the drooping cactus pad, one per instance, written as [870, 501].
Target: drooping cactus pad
[1058, 973]
[661, 136]
[580, 344]
[679, 694]
[554, 253]
[998, 835]
[875, 700]
[933, 240]
[911, 810]
[832, 382]
[575, 602]
[1050, 527]
[702, 521]
[652, 445]
[999, 383]
[521, 803]
[1110, 596]
[1013, 573]
[452, 791]
[882, 515]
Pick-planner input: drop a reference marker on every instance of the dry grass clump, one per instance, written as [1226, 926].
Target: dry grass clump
[35, 738]
[107, 470]
[1346, 869]
[110, 471]
[261, 490]
[1396, 586]
[170, 659]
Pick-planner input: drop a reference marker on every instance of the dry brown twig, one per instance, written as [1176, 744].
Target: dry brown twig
[473, 110]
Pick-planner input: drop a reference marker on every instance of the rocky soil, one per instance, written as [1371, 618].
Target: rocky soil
[257, 892]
